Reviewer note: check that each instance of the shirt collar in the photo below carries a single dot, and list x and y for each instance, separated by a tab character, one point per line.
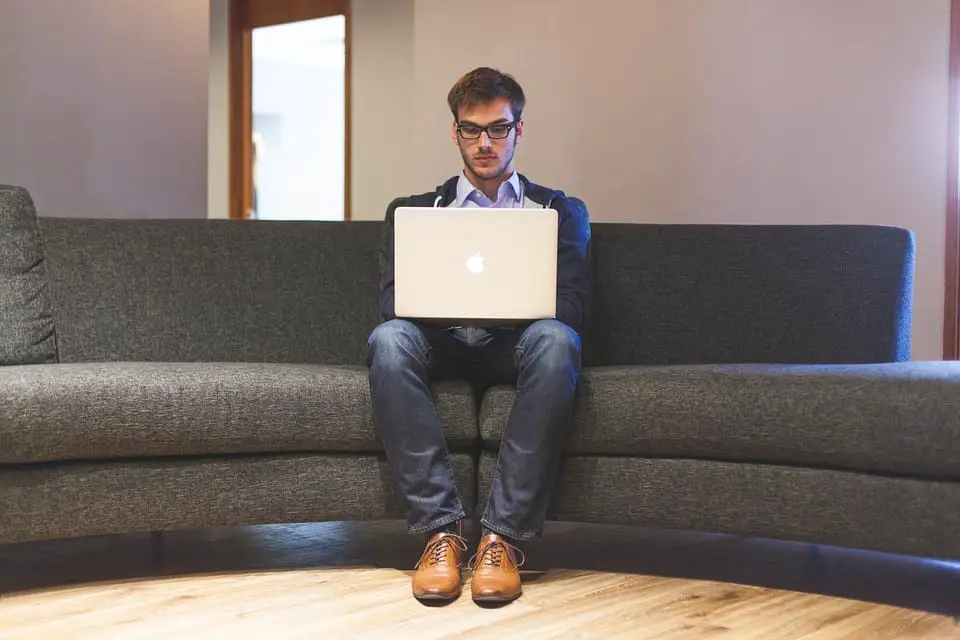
466	190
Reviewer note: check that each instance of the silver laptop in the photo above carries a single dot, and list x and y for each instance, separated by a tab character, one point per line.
464	264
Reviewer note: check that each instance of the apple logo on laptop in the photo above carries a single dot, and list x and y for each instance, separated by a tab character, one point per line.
475	263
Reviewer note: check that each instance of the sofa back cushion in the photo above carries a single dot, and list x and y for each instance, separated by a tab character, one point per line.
212	290
710	294
260	291
27	333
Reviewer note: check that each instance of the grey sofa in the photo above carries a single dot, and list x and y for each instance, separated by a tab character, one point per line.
754	380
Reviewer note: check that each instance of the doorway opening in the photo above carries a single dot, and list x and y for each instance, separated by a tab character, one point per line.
298	120
290	96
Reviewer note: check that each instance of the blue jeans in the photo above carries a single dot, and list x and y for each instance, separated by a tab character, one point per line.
542	360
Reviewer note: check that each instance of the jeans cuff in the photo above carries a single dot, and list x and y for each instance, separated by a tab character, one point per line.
436	524
507	532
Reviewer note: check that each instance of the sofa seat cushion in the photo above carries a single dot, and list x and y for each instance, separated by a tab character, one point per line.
901	418
124	410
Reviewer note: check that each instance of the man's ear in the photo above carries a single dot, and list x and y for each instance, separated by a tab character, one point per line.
519	129
453	129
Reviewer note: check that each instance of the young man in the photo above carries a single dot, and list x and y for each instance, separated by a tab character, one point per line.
541	358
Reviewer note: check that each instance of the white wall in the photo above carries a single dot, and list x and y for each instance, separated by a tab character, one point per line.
782	111
120	108
739	111
218	111
104	105
382	133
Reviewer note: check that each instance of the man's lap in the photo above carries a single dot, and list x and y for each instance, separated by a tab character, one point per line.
486	356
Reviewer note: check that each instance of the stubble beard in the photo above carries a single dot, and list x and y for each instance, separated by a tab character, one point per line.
489	173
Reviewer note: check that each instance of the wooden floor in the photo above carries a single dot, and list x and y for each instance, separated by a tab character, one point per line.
346	580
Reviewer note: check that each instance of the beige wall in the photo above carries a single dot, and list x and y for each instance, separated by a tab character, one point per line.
218	111
382	139
735	111
119	108
741	111
104	105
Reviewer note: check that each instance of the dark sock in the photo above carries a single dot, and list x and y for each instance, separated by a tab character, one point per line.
450	527
486	531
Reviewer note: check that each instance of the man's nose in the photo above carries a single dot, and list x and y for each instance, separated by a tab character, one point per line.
485	140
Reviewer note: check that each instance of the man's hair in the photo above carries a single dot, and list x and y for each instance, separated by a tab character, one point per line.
483	85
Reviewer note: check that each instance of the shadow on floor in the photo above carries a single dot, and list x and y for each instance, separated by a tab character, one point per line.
913	583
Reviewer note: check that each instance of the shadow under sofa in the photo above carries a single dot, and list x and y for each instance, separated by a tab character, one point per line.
752	380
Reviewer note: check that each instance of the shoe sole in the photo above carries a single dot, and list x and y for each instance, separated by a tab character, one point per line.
435	597
495	599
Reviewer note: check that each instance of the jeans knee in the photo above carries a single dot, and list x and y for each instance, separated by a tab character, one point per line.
552	344
394	344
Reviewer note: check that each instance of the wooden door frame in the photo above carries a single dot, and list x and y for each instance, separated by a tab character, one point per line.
244	17
951	315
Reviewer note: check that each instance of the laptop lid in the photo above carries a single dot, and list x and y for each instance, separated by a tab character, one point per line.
468	264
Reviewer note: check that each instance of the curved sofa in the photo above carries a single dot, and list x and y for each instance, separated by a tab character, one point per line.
753	380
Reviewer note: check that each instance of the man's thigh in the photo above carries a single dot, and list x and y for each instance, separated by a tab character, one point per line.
446	356
499	360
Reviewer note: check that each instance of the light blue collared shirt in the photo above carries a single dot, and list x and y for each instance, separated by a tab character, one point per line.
509	195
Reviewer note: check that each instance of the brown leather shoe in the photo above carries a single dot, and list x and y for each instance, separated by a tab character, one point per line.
438	570
496	575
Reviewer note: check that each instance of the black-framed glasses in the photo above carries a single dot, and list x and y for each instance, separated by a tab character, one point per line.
498	131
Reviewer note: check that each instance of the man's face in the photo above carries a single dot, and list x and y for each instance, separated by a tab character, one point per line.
488	157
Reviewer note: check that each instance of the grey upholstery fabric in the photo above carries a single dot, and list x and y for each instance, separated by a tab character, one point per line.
219	290
26	323
128	410
80	499
896	515
901	418
213	290
713	294
213	377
